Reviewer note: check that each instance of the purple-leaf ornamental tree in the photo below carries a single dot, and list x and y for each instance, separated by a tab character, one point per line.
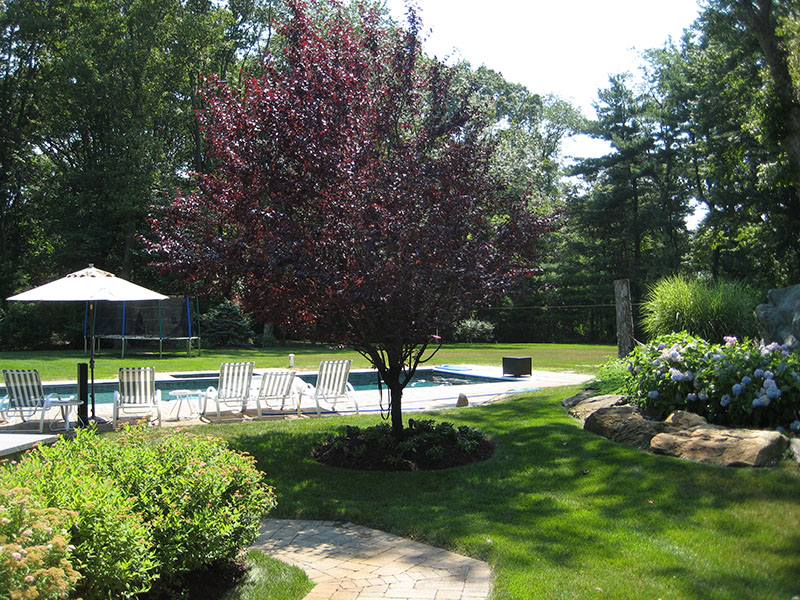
351	199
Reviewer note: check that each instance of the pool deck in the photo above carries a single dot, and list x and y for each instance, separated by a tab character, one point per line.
370	401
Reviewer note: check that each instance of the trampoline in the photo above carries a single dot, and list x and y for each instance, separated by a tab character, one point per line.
171	320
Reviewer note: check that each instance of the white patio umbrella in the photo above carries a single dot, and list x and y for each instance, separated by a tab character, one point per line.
89	285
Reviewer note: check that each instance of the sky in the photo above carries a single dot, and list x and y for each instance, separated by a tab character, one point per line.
563	47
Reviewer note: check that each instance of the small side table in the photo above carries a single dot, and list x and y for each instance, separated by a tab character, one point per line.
187	396
516	366
65	404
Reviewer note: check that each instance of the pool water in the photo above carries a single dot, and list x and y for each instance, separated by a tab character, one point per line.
360	380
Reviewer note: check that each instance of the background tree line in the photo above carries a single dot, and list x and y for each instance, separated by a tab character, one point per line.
98	101
714	127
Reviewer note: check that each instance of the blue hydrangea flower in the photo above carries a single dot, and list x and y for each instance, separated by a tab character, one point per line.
725	400
746	380
661	346
737	389
691	397
676	375
795	426
772	347
674	356
703	396
756	402
773	392
652	395
758	373
769	375
718	356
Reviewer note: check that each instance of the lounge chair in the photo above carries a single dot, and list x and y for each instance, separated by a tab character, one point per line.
234	387
137	392
332	384
26	398
275	386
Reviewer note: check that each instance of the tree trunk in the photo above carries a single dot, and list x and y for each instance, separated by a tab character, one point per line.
396	395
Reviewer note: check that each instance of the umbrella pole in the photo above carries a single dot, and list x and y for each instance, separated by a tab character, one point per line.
95	418
91	356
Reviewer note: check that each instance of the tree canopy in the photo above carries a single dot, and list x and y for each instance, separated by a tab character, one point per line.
353	196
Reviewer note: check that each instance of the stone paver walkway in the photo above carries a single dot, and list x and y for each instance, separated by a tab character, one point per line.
350	562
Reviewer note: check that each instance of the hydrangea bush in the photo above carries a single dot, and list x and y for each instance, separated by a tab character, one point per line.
739	383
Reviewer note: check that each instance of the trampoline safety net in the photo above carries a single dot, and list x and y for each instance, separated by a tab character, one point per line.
170	319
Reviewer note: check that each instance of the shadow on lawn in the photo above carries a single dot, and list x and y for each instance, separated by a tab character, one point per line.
551	493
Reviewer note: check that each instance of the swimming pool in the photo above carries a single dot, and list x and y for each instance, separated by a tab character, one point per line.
360	380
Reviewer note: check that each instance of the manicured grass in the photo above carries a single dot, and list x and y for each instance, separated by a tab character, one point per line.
61	364
557	512
270	579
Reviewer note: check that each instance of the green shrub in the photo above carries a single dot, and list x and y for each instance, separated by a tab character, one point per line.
149	509
736	383
113	547
473	330
25	325
226	326
201	501
424	445
34	548
710	310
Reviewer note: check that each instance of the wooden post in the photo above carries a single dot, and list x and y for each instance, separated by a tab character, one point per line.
622	296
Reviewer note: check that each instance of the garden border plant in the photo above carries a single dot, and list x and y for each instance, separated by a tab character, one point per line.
147	510
424	445
738	383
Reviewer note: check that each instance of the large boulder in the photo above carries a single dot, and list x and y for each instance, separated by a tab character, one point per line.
722	446
571	401
779	320
794	446
623	424
682	419
587	406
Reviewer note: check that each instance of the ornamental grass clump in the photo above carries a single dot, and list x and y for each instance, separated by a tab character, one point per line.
709	309
736	383
148	509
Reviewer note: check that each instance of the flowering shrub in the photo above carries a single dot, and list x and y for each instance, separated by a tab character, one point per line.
147	510
34	548
113	548
735	383
202	502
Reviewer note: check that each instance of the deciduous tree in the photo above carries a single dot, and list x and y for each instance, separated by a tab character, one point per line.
353	197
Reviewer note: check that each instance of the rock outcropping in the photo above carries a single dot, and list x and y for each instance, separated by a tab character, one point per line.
682	434
779	320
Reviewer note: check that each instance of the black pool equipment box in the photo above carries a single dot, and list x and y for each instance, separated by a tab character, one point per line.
516	366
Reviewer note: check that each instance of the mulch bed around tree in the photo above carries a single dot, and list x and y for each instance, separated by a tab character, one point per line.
423	446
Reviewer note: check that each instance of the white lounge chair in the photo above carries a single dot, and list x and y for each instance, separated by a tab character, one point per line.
234	387
275	386
26	397
332	384
137	393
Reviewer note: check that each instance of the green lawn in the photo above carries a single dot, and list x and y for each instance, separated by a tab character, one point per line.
61	364
558	512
